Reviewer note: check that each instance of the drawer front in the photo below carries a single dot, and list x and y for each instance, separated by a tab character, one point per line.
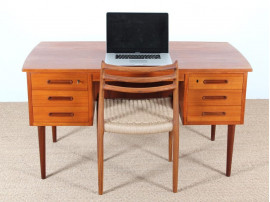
59	98
60	114
214	113
216	81
214	97
59	81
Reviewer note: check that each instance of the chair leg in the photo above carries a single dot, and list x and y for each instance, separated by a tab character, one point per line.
100	161
175	157
213	132
170	145
54	133
97	112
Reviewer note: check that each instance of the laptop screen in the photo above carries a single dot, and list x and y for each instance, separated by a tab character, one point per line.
137	32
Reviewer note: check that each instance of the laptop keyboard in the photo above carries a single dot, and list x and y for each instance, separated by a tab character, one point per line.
119	56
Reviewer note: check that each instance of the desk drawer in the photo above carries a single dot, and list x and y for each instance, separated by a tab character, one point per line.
60	114
214	113
59	81
216	81
214	97
59	98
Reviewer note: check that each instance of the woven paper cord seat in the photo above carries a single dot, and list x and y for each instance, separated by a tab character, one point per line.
138	116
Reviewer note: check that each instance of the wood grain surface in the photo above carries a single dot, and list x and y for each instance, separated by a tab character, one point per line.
87	56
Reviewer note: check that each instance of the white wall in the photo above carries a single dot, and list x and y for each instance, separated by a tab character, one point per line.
23	24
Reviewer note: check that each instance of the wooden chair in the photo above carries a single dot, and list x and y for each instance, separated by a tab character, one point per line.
129	115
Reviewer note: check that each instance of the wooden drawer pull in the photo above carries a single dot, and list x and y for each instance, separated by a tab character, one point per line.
215	81
213	113
61	114
59	81
60	98
214	97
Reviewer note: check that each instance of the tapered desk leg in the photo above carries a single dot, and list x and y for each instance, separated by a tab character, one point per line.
231	132
54	134
41	138
170	145
213	132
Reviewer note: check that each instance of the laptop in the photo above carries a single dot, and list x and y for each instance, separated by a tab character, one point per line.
137	39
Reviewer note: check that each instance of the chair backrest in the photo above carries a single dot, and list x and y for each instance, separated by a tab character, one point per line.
110	75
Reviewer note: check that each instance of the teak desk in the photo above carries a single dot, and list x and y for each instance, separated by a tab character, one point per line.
63	78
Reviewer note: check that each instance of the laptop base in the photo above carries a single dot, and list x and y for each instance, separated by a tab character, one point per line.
165	59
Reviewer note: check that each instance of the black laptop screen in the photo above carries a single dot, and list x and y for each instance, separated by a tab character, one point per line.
137	32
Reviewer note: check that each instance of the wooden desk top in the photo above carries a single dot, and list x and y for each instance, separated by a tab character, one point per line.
87	56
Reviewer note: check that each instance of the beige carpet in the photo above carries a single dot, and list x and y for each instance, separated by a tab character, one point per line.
136	167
